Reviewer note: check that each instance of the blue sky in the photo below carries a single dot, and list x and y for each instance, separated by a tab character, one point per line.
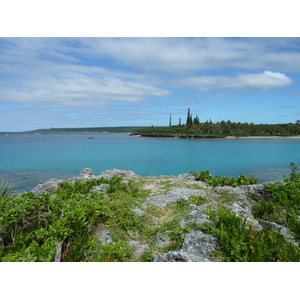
94	82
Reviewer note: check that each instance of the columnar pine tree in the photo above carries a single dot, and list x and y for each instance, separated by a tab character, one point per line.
196	120
189	119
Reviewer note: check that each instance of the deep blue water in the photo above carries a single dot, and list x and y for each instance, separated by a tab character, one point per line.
29	159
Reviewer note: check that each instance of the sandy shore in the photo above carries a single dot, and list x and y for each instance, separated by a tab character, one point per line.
270	137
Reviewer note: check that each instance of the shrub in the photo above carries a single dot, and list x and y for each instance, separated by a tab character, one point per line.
5	190
240	243
222	181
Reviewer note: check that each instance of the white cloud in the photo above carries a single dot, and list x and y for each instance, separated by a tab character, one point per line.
263	81
80	90
98	74
188	55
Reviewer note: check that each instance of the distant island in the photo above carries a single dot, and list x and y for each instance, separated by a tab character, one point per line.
193	128
91	129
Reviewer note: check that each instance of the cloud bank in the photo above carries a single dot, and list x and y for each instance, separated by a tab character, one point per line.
263	81
67	75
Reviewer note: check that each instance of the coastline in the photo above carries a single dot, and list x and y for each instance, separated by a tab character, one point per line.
190	136
270	137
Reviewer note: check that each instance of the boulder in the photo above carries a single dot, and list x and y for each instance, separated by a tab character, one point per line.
108	174
179	256
139	247
162	240
138	211
49	186
254	191
100	188
195	217
281	229
243	209
86	174
200	244
174	196
105	238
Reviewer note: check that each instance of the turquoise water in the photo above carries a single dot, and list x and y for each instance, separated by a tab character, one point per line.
29	159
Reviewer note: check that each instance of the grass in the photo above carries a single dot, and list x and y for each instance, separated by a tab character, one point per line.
5	190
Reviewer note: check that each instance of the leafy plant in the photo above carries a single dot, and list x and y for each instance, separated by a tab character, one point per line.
5	190
282	204
294	175
31	228
222	181
240	243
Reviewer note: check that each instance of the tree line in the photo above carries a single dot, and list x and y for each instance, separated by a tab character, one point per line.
223	128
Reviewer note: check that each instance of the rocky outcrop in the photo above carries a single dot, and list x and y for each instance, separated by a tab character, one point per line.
139	248
179	256
174	196
49	186
108	174
197	246
105	238
86	174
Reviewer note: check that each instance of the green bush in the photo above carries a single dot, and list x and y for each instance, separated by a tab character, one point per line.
31	227
283	202
240	243
222	181
5	190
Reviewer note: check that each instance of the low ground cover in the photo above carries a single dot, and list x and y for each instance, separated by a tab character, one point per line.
65	225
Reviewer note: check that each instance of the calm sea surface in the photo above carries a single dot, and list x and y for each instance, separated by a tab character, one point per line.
29	159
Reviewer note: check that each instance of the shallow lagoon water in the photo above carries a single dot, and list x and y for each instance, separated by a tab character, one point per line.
29	159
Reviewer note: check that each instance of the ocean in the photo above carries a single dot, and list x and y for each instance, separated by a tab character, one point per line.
28	159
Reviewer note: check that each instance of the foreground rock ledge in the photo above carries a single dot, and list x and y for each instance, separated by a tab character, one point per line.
197	245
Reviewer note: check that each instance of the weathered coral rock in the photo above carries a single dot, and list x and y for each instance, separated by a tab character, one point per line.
162	240
49	186
105	238
139	247
179	256
108	174
86	174
243	209
195	217
100	188
200	244
174	196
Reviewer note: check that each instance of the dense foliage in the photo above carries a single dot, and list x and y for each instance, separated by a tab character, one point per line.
221	181
283	205
193	126
32	227
240	243
225	128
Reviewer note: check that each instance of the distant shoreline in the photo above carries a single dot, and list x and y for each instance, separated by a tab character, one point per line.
182	136
271	137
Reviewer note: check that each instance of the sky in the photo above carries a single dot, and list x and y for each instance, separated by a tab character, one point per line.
59	82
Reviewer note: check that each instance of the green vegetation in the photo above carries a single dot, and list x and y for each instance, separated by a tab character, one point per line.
5	190
283	204
221	181
91	129
65	226
32	228
194	127
240	243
